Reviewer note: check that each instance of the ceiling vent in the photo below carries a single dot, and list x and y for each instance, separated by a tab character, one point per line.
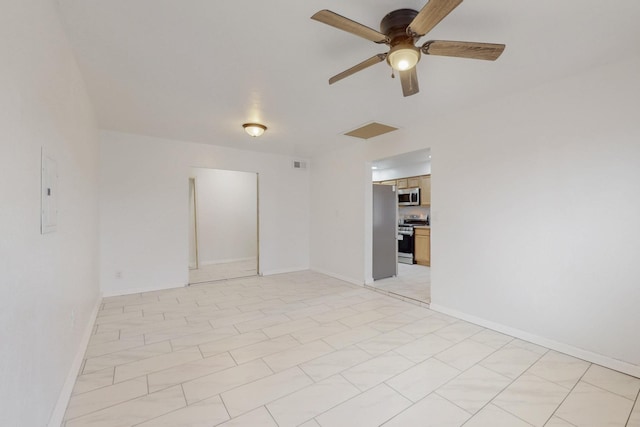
371	130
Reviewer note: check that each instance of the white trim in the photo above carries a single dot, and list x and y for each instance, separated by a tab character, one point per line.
57	416
141	290
599	359
357	282
400	297
225	261
283	271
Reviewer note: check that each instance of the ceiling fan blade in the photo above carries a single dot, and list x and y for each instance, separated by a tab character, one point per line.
361	66
431	14
409	80
486	51
340	22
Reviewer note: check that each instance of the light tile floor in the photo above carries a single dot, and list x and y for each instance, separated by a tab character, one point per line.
413	282
304	349
227	270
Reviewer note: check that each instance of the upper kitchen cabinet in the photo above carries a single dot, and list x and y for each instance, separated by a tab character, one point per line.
413	182
425	190
402	183
391	182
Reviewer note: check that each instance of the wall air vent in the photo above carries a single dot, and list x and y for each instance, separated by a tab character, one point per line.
371	130
299	164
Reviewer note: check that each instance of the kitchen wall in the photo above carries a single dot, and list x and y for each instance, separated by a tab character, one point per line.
227	215
144	212
49	282
535	209
406	211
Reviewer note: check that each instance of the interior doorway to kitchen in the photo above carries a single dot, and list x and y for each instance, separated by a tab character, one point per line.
223	225
410	173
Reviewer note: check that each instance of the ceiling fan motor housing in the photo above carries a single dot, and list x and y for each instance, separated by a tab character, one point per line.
403	54
395	24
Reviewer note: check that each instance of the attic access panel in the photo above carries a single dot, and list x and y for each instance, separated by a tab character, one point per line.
371	130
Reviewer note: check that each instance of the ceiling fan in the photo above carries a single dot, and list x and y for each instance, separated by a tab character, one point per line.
400	30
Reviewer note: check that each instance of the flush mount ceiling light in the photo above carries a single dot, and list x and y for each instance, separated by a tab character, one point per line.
254	129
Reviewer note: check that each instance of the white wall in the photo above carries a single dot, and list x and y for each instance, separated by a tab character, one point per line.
227	215
536	219
340	188
535	213
144	209
49	283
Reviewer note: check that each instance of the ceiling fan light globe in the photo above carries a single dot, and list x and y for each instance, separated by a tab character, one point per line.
402	58
403	64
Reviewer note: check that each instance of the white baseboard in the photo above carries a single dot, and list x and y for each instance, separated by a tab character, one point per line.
107	294
225	261
351	280
283	271
598	359
57	416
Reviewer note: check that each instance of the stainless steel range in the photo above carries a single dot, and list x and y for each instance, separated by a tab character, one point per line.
405	244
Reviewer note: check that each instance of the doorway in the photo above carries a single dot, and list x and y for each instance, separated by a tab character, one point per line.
410	173
223	225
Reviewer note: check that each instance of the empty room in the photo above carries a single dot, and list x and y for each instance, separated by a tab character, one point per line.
322	213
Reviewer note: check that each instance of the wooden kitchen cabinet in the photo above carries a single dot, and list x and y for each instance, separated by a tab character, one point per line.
391	182
413	182
422	244
425	190
402	183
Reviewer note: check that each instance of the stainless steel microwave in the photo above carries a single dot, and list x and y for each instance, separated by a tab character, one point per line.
409	197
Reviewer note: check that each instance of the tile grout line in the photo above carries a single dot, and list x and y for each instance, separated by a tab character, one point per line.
633	407
571	424
475	364
360	393
108	407
471	415
234	387
500	408
505	387
166	413
633	400
268	412
224	405
461	372
570	391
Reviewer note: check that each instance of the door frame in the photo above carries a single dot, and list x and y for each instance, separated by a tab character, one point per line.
193	180
193	187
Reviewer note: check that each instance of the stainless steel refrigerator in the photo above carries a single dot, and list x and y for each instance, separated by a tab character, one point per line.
385	243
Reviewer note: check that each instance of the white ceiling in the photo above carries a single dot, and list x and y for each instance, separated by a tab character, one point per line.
195	70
